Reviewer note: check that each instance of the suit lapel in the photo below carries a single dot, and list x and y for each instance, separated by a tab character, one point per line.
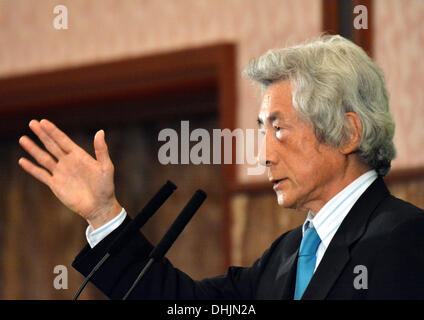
279	278
287	274
329	269
351	229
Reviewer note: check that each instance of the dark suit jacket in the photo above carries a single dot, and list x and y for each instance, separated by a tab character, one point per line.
381	234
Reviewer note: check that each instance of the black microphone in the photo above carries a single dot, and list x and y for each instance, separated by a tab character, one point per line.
142	217
171	235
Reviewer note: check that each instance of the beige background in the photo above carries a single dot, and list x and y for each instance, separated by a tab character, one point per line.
398	48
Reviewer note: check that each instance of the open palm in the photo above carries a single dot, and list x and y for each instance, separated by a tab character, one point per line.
83	184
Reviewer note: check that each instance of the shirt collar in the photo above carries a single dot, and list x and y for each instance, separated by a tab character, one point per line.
329	218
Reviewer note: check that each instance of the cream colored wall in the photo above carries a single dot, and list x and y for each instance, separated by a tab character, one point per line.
398	49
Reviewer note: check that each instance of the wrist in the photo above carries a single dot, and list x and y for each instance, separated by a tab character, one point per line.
106	215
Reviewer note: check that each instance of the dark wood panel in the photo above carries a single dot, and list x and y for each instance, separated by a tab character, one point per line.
197	72
404	175
364	37
258	221
332	20
115	110
185	68
330	16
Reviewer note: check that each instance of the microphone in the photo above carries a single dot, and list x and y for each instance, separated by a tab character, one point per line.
142	217
171	235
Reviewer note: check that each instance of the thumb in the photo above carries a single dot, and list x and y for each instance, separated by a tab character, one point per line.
100	147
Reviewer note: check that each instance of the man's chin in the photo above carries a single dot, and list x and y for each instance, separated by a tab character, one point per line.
281	198
284	201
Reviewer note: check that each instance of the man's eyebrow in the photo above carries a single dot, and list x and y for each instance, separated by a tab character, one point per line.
271	118
260	122
274	116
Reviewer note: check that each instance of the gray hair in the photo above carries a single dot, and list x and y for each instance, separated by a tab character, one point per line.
330	77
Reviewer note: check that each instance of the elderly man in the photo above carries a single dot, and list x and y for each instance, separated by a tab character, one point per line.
327	145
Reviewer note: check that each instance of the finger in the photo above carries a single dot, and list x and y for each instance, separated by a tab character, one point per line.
61	139
100	148
42	157
37	172
48	142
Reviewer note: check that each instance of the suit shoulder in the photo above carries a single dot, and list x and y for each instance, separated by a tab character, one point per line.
397	205
395	211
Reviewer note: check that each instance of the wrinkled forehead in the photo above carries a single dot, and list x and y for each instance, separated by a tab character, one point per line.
277	103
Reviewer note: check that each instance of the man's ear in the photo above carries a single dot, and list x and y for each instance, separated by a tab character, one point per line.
353	138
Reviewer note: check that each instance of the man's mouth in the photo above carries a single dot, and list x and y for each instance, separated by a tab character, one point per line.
277	183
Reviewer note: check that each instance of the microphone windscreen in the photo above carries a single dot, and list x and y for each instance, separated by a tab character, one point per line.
145	214
178	225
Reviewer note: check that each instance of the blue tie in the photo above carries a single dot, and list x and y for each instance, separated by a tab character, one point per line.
306	261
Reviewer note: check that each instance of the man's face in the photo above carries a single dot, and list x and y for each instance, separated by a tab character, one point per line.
304	172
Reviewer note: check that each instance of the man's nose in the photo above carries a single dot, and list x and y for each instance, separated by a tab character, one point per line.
264	157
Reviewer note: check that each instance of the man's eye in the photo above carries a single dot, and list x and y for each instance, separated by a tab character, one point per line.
278	132
277	129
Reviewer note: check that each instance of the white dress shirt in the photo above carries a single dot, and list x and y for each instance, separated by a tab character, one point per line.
326	221
331	215
95	236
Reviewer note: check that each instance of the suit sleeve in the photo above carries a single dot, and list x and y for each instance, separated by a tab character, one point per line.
162	281
399	271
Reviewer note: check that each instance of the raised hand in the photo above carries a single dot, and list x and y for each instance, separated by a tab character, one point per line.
83	184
